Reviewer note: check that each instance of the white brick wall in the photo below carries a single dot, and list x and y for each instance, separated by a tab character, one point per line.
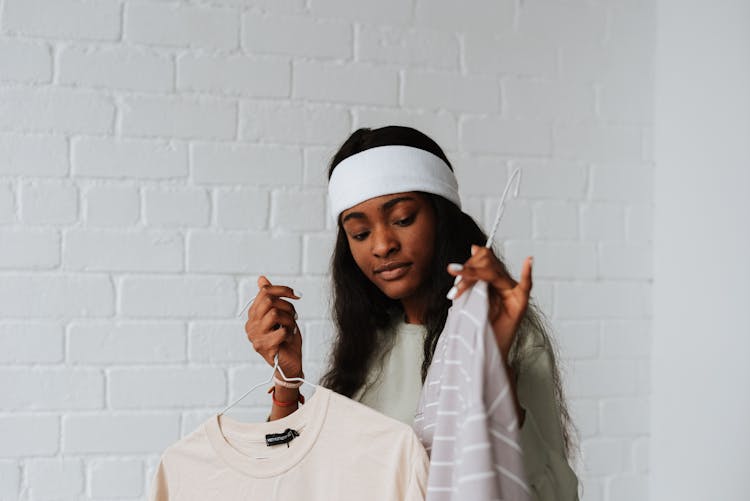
155	158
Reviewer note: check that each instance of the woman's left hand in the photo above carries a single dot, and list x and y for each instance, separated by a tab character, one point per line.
508	299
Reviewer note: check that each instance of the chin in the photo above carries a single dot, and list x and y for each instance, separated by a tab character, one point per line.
398	289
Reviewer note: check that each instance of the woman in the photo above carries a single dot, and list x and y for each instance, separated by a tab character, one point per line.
392	288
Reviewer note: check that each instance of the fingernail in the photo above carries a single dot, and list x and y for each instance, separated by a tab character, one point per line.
473	249
452	293
458	279
531	261
298	294
295	315
455	267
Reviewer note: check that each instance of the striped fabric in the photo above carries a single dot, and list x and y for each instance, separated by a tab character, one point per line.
465	418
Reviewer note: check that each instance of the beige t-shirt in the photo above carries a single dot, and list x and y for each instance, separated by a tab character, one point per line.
344	450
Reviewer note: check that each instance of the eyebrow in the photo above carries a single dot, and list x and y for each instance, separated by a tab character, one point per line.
386	206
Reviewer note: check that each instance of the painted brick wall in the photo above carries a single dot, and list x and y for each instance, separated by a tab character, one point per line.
156	157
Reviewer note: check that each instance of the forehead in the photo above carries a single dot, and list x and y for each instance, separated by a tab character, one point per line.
381	204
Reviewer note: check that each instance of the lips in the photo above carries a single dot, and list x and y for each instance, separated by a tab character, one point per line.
391	266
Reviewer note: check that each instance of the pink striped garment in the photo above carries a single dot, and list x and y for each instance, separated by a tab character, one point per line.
465	418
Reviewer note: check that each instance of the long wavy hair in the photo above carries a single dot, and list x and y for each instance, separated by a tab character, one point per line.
361	312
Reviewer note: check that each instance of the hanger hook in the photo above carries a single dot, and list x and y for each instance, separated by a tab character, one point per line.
501	208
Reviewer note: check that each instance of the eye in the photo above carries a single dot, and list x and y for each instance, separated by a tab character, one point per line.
405	221
360	236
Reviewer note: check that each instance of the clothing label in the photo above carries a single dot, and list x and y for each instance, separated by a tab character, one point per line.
281	438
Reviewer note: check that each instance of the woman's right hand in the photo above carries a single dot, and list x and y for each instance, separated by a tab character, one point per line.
271	327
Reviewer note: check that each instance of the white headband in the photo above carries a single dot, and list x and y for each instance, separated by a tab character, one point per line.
389	169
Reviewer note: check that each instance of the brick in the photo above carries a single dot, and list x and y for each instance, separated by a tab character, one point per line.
243	164
22	61
509	53
547	99
556	220
625	416
118	158
185	118
177	297
568	24
29	435
499	135
602	221
167	387
318	338
116	478
639	223
606	299
628	487
81	20
553	260
601	378
176	207
56	110
287	208
48	202
245	209
317	253
180	25
252	77
628	261
626	338
451	91
102	250
577	340
31	343
119	433
112	205
7	203
209	251
10	479
516	222
411	47
56	296
29	249
385	12
603	456
496	15
352	83
116	68
51	389
52	478
585	416
627	101
551	179
297	36
220	342
126	342
293	123
597	143
624	183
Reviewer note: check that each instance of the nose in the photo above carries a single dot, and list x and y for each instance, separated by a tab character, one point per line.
384	242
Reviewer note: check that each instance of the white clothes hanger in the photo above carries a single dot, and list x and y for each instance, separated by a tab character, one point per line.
501	209
270	379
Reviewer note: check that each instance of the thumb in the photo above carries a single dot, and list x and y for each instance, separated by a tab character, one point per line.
263	281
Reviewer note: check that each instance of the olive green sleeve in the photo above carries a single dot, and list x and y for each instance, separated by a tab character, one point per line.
547	470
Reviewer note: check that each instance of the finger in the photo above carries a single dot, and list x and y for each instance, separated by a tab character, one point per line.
269	302
526	283
276	319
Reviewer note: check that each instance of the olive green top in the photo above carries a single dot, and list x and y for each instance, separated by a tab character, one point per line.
394	387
